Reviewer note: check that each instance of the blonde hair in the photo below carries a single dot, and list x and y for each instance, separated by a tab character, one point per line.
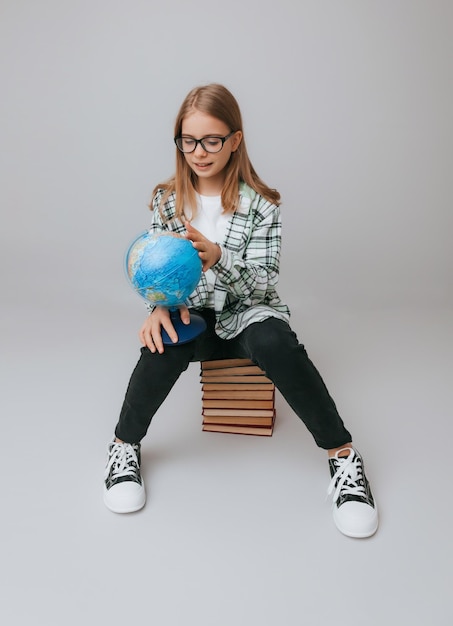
214	100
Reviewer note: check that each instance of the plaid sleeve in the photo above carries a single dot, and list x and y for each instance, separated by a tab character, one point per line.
163	218
248	268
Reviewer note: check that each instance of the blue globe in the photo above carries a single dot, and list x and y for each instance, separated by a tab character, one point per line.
164	269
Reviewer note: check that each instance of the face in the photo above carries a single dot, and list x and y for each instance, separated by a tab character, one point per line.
209	167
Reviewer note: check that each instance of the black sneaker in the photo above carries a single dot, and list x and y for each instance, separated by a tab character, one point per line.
124	491
354	510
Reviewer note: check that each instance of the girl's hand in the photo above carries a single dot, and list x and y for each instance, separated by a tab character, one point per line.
150	333
208	251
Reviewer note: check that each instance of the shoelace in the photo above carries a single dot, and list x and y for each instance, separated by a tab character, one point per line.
348	474
121	459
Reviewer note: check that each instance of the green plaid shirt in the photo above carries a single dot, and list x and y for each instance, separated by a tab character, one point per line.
247	271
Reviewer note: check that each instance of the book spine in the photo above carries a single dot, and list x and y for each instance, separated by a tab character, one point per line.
231	371
238	412
236	379
257	387
238	430
222	363
238	404
238	421
237	395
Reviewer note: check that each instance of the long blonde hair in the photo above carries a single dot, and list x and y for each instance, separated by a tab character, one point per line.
214	100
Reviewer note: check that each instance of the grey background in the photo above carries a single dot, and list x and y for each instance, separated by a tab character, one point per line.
347	111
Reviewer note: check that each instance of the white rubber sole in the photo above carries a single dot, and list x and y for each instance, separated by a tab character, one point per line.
124	502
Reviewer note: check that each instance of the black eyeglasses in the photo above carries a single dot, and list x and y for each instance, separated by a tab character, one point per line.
209	143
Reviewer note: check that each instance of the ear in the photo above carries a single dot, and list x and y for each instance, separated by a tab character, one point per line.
236	140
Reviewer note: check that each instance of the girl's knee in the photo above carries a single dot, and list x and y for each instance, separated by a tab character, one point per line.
272	337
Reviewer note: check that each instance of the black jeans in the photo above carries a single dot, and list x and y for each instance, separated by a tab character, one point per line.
271	344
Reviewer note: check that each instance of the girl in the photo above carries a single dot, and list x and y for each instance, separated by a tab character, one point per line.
217	200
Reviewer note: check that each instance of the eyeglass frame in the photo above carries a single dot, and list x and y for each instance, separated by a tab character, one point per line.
200	141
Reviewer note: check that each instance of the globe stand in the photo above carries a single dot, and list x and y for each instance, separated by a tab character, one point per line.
185	332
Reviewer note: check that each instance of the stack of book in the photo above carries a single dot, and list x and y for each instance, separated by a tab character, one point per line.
237	397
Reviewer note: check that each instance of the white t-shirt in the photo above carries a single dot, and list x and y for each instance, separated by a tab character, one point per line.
210	221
